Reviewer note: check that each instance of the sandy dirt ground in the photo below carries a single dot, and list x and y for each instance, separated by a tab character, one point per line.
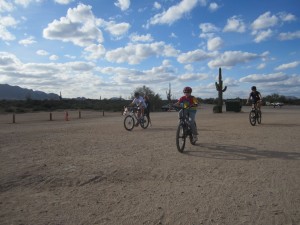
92	171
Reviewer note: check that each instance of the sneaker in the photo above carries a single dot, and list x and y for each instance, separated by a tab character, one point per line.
137	124
195	137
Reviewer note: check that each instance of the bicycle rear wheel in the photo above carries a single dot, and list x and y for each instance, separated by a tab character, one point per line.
259	117
192	141
180	138
129	123
144	122
252	117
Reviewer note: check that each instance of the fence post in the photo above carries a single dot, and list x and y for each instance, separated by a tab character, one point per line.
66	116
50	116
103	112
79	114
14	118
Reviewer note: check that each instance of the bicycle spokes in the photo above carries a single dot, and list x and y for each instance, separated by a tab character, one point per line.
180	138
252	117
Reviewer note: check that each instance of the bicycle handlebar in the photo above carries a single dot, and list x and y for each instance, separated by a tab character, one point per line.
180	107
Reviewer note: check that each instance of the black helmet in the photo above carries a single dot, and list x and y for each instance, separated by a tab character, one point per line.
253	88
136	94
187	90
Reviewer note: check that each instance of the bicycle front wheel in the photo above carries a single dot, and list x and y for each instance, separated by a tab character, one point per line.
144	122
180	138
252	118
259	117
129	123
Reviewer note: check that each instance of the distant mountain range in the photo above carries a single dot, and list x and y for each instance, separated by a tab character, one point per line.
8	92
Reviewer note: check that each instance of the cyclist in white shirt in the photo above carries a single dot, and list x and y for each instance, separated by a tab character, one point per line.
140	103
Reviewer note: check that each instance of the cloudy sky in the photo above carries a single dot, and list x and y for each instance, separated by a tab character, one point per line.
107	48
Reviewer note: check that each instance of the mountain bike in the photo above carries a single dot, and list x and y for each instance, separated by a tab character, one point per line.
131	118
184	129
255	115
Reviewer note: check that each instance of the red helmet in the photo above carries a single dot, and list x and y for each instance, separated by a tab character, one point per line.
187	90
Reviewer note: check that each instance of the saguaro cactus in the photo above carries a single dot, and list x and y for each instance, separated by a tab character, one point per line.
169	93
220	89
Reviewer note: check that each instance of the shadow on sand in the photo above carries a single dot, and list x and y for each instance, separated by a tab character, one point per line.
237	152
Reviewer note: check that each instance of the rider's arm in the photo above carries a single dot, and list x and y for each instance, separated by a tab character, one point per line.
195	102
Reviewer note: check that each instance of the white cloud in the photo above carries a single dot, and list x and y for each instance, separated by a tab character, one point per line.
28	41
231	58
235	24
73	79
288	65
214	43
53	57
155	75
292	81
123	4
189	67
64	2
94	52
79	27
289	35
192	77
6	6
5	23
213	6
174	13
194	56
8	60
261	26
264	21
261	78
70	56
25	3
116	29
208	28
230	82
262	35
287	17
135	53
42	52
173	35
261	66
141	38
156	5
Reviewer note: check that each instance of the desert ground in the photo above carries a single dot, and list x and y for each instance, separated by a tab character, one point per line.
90	170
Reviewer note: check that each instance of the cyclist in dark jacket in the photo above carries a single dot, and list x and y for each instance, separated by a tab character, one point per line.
255	96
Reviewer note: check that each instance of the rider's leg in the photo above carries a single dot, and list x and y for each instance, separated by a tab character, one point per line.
142	111
192	122
259	105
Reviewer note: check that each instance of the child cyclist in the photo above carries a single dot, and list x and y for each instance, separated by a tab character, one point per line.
255	96
190	102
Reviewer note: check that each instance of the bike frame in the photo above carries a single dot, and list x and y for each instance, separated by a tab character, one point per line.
131	112
255	114
184	129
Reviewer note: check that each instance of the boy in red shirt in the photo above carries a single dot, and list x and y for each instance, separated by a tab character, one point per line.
190	102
